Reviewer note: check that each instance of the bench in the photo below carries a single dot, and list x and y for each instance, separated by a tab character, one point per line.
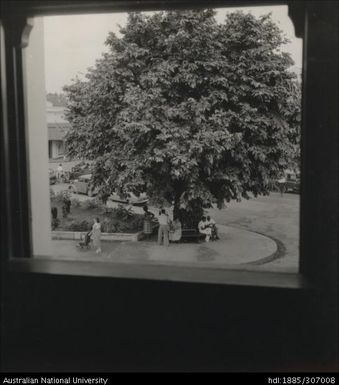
191	235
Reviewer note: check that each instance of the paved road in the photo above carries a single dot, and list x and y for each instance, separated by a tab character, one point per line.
275	216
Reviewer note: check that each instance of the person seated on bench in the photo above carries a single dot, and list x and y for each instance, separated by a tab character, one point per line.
175	230
205	229
213	226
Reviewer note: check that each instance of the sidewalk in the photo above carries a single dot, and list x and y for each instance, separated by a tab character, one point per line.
236	247
241	246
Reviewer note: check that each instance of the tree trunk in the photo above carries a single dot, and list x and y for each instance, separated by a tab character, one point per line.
176	208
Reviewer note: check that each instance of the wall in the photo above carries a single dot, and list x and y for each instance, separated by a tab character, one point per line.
37	133
105	324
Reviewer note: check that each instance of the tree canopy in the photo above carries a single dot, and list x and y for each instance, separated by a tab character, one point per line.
188	110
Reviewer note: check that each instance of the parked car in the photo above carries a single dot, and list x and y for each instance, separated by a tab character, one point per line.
130	199
292	182
78	170
52	176
84	186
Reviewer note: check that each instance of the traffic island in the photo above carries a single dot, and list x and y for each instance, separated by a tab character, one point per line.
236	247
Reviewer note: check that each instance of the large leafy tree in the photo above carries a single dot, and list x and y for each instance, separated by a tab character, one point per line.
188	110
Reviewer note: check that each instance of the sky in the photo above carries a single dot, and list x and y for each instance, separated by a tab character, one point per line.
74	42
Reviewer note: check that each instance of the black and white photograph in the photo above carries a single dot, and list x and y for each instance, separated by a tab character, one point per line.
171	187
173	137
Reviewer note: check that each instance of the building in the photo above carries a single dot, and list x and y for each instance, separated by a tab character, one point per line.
58	127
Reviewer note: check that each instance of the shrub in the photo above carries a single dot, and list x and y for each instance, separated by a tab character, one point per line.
109	225
59	197
125	227
122	213
75	225
55	223
108	211
92	204
75	202
114	225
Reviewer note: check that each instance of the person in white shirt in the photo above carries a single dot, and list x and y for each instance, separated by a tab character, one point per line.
163	232
96	235
60	172
282	184
204	228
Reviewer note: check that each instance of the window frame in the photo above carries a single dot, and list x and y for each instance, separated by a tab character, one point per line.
17	247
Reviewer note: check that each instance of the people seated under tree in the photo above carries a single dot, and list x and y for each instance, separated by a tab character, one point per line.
175	230
204	228
214	229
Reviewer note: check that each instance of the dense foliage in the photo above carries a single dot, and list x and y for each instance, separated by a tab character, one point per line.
188	110
113	220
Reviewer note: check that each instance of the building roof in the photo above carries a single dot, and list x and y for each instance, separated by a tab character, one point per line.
58	131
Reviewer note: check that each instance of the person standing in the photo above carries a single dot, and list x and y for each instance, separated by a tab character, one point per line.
96	235
163	232
66	208
60	172
148	218
282	184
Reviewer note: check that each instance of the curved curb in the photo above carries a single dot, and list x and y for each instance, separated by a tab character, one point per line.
109	237
278	254
239	254
261	256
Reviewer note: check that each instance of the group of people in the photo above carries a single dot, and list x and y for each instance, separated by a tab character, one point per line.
168	230
208	227
171	230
